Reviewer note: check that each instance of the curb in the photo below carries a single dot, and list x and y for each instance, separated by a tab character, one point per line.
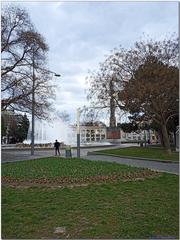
130	157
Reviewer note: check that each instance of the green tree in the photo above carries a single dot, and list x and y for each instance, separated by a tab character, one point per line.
172	125
14	126
129	127
22	128
3	126
12	129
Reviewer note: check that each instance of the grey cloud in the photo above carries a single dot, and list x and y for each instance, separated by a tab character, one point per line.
79	34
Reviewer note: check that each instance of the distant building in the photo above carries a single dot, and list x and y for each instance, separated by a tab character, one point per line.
91	132
140	136
98	132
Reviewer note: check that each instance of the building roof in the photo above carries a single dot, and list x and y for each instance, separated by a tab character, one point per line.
96	124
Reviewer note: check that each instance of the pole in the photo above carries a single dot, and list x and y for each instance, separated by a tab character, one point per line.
78	132
149	135
33	107
145	138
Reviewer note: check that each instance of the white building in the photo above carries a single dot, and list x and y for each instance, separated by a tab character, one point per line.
90	133
97	132
139	136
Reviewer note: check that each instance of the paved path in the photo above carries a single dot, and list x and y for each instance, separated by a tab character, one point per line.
20	155
159	166
13	155
8	155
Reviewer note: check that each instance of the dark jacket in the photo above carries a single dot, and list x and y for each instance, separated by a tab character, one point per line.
56	144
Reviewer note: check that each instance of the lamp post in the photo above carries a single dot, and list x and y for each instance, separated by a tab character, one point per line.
144	137
78	132
78	128
33	106
33	102
57	75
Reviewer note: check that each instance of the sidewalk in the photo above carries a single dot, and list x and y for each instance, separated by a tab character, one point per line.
131	157
20	155
153	165
12	154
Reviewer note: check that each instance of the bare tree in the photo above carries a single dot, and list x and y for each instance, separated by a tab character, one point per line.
23	51
119	71
151	88
64	116
104	85
89	115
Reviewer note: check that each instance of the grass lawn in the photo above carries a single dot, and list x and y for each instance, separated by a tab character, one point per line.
54	167
146	152
125	208
173	147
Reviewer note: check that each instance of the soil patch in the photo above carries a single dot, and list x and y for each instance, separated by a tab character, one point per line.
78	182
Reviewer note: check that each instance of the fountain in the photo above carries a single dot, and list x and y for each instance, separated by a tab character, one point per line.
47	132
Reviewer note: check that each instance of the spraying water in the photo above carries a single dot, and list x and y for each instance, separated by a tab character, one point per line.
48	132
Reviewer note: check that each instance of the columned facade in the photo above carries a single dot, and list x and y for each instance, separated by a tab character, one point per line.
92	134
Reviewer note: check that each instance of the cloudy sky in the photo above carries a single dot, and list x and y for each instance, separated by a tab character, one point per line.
80	34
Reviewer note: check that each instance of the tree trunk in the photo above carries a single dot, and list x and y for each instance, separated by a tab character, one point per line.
112	122
174	135
165	138
161	137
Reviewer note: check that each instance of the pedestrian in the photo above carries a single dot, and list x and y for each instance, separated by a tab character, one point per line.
56	146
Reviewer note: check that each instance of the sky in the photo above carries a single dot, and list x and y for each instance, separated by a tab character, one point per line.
81	34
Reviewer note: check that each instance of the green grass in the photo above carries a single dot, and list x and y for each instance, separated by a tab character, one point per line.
61	167
173	147
121	210
152	153
134	209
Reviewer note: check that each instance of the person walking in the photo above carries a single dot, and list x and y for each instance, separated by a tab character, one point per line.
56	146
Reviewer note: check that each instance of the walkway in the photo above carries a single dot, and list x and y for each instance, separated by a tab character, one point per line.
159	166
12	154
20	155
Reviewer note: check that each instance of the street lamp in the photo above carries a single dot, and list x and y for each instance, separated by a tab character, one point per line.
57	75
33	103
33	106
78	132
